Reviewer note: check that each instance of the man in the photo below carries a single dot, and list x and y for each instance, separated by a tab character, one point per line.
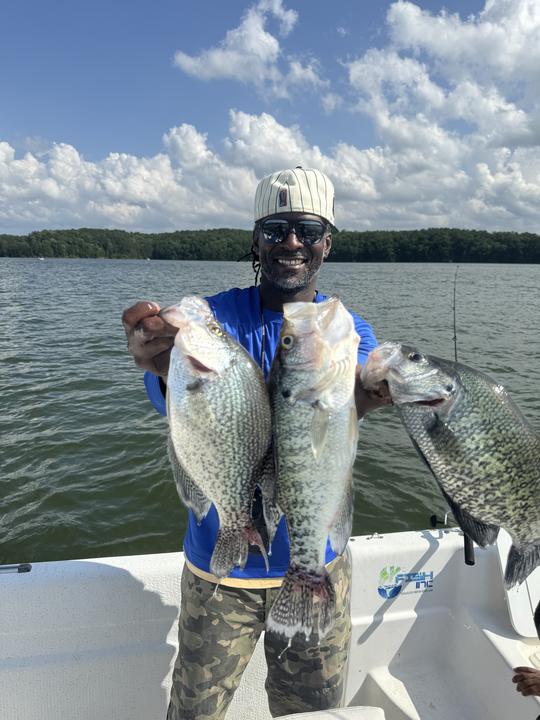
294	216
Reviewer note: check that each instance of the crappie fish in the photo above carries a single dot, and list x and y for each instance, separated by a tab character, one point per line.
220	429
483	453
315	431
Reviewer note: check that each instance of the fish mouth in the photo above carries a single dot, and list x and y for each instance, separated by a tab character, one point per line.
197	365
430	403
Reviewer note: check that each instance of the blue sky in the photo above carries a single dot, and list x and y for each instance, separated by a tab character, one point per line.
155	116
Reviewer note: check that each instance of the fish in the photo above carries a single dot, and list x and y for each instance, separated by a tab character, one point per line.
481	450
315	434
219	438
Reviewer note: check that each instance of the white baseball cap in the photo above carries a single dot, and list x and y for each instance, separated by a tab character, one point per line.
298	190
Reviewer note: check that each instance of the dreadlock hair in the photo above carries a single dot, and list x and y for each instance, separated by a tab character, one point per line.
255	261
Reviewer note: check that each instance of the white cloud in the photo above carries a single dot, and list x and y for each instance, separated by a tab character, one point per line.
432	179
304	77
501	42
330	102
498	121
252	55
455	105
452	101
482	70
404	82
261	142
248	53
287	18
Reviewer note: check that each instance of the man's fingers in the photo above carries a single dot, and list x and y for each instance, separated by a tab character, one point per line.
134	314
527	680
143	351
161	345
155	326
528	688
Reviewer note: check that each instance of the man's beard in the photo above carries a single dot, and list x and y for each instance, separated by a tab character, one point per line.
292	284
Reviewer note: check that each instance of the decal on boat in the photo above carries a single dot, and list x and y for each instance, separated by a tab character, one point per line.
392	581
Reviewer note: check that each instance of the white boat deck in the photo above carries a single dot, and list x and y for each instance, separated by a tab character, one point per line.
89	639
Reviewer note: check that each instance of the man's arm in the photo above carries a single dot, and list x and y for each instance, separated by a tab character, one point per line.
367	400
149	338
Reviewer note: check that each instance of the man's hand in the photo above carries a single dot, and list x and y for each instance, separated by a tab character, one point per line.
149	338
527	680
367	400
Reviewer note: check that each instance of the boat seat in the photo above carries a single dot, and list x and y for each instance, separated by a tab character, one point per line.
358	712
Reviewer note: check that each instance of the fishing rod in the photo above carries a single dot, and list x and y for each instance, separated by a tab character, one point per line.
454	312
468	546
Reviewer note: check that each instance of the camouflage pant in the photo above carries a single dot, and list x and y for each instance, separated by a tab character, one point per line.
217	636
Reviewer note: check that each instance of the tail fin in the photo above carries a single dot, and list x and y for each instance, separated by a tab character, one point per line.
305	604
522	560
231	550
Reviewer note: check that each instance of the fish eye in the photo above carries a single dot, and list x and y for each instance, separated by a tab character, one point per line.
415	357
287	341
216	330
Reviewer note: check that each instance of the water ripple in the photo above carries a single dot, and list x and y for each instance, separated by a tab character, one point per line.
84	468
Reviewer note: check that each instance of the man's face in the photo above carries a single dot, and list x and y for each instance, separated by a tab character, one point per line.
290	265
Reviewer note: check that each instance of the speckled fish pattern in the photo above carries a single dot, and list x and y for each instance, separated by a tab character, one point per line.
315	433
483	453
220	431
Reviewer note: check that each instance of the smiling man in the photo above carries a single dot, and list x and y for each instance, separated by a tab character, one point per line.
292	236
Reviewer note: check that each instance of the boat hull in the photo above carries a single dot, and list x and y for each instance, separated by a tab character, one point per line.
432	637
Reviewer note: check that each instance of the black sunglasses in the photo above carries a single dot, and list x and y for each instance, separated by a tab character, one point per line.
309	232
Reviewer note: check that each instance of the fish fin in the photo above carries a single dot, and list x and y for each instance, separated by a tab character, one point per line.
189	492
319	431
306	603
522	560
267	483
231	549
341	528
482	533
353	430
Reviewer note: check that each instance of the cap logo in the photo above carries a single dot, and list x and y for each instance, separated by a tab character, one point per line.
283	197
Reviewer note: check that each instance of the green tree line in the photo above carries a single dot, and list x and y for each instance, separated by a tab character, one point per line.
427	245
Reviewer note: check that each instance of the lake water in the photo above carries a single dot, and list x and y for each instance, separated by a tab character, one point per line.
83	467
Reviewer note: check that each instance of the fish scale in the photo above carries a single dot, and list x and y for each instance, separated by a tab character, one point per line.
220	430
482	451
493	448
202	414
315	432
305	495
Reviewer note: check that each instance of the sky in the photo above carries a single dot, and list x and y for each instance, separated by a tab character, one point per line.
164	115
